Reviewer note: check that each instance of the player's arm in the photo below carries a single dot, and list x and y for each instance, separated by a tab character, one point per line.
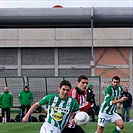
35	106
119	100
86	106
73	120
31	110
108	99
76	110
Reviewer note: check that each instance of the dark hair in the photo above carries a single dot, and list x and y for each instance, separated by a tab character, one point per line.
65	82
82	77
116	78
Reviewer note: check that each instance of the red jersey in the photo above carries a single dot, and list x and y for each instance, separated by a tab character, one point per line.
81	99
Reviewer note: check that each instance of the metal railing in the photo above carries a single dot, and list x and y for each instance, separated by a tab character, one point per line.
41	86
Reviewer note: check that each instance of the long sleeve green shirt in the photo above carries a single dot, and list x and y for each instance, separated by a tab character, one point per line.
6	99
25	98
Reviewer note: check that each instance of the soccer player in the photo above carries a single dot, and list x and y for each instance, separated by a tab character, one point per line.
109	106
78	93
59	108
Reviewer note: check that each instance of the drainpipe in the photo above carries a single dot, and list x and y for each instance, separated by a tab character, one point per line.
92	61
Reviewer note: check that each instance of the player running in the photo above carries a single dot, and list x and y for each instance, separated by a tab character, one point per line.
108	110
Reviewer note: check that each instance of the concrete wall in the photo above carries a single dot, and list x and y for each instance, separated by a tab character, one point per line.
79	37
64	52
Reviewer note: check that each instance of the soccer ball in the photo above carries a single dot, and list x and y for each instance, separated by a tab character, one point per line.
81	118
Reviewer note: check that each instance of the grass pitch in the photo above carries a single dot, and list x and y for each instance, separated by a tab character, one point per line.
34	127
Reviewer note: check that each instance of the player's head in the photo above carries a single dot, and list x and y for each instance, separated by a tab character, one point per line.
82	82
115	81
64	89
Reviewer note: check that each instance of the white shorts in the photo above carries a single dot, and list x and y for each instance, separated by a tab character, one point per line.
104	118
48	128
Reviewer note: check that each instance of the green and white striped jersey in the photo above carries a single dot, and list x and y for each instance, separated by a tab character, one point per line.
110	94
59	110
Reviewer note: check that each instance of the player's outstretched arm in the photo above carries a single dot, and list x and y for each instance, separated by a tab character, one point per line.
119	100
31	110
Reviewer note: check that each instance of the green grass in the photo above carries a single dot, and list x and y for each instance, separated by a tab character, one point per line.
131	112
20	127
91	128
34	127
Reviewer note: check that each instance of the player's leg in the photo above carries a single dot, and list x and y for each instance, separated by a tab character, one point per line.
67	130
48	128
103	119
118	122
78	129
99	129
43	129
119	127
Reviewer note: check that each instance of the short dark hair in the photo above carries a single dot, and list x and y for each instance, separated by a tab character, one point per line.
65	82
82	77
116	78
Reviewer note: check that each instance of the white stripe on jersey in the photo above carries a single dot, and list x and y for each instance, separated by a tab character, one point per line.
53	105
67	107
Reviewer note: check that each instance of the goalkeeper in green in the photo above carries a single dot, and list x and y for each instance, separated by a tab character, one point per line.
108	109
